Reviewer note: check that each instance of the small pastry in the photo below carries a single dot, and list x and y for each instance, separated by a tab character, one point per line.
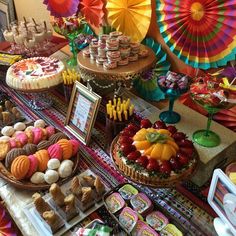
64	170
29	133
1	109
45	135
43	159
20	167
5	138
38	135
50	131
19	126
30	148
57	194
57	136
75	146
51	176
6	117
67	162
15	143
66	148
8	105
4	149
99	186
52	219
37	178
7	131
44	144
17	133
39	123
76	187
89	180
55	151
40	204
86	195
14	111
69	202
53	164
29	128
12	154
22	137
33	166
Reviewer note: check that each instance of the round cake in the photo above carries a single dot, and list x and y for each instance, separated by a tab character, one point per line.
35	73
154	154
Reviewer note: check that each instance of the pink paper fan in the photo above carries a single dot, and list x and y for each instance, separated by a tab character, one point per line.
62	8
93	11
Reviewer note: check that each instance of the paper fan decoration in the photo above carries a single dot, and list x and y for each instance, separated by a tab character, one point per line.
146	85
227	118
62	8
202	33
93	11
131	17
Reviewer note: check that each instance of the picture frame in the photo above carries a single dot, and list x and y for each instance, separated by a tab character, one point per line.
7	10
222	198
82	112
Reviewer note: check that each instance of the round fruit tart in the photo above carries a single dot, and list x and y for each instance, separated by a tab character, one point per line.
154	154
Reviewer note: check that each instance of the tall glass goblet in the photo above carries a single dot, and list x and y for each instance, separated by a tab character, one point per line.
212	99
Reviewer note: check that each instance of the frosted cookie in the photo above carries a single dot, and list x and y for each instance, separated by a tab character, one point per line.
39	123
19	126
8	131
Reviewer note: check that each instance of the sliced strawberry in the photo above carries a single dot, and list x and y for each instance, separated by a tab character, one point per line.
187	150
145	123
172	129
127	148
143	161
165	167
175	165
133	156
132	127
182	158
178	136
186	143
125	140
152	165
159	125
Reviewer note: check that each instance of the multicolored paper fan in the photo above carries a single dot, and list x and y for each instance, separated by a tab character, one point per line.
131	17
93	11
146	85
202	33
62	8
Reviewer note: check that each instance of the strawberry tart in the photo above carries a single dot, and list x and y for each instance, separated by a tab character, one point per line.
154	154
35	73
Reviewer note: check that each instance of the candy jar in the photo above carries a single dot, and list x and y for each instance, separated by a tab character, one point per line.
212	96
173	85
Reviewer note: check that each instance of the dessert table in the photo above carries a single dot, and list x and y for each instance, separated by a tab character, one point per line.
190	211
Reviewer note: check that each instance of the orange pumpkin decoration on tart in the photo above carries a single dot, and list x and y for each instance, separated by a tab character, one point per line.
20	167
67	148
43	159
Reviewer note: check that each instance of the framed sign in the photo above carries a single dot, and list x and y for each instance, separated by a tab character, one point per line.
82	112
222	198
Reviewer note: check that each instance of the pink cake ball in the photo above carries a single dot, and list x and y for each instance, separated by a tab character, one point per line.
38	135
55	151
50	131
75	146
33	166
22	137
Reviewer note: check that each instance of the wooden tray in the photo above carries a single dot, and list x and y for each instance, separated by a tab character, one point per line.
27	185
162	183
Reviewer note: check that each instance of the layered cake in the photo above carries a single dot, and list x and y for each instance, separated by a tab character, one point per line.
35	73
154	154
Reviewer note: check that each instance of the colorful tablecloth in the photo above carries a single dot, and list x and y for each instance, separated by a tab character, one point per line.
195	220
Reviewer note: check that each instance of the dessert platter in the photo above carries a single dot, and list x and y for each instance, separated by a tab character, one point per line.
114	57
127	204
34	157
35	76
155	155
65	206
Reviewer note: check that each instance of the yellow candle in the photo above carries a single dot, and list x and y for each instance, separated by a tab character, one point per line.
114	115
108	108
131	110
114	101
119	102
119	116
126	115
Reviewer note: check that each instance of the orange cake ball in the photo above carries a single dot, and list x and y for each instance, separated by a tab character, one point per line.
43	159
20	167
67	148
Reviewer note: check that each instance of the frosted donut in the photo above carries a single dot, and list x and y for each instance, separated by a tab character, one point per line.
39	123
19	126
7	131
